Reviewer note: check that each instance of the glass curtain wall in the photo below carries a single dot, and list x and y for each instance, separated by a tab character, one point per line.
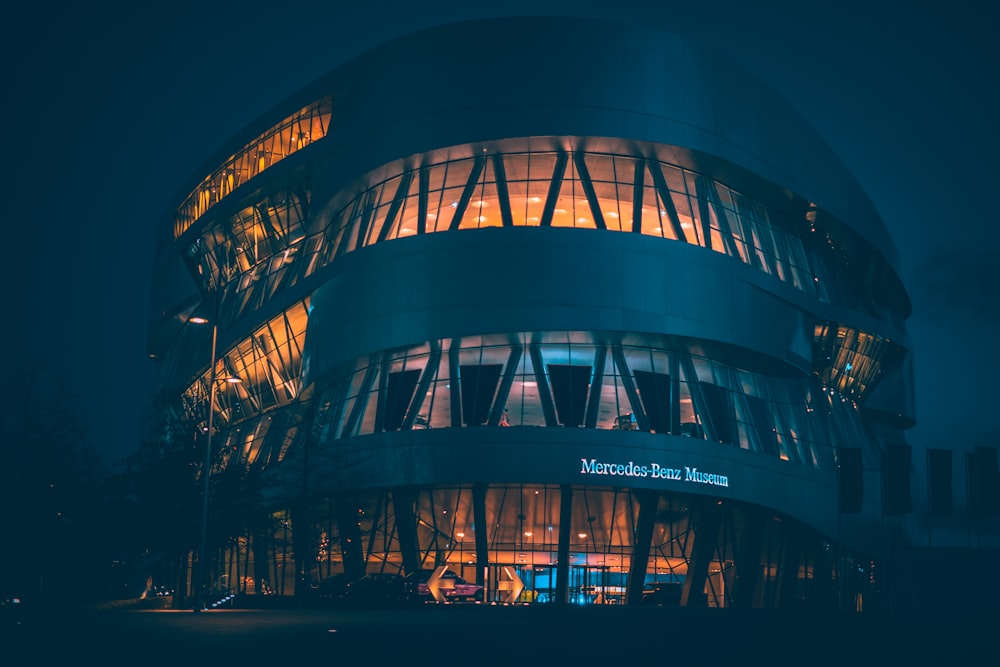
290	135
755	559
265	247
575	379
581	190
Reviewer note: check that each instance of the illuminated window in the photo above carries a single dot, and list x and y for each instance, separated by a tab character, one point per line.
290	135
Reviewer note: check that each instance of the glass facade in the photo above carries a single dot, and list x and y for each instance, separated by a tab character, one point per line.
518	532
292	134
577	379
268	364
850	361
265	249
574	189
574	544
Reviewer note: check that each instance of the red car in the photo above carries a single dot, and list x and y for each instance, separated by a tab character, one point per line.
452	586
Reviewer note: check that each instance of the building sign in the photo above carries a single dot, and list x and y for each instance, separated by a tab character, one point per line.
651	471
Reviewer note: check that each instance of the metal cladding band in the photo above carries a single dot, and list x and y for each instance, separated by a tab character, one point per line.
579	456
533	279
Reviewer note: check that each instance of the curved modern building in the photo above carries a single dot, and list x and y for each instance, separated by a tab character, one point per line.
582	316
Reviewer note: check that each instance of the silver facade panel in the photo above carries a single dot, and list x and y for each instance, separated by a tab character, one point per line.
534	279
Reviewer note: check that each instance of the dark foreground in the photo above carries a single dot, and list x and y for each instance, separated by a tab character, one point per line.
487	635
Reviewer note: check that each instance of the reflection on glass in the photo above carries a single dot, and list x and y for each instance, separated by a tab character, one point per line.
476	382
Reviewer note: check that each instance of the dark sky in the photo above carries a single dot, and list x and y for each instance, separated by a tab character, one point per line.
109	108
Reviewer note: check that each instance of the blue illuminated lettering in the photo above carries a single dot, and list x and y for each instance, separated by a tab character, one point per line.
653	470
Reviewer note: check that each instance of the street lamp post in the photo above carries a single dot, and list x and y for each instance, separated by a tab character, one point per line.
199	600
206	471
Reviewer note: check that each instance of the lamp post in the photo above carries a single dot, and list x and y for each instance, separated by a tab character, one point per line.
206	471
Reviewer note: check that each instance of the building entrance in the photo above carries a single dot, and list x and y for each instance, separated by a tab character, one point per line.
586	584
596	585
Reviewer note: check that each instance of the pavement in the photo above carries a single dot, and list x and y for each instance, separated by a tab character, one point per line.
483	634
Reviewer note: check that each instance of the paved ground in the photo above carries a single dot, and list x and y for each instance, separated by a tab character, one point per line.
488	635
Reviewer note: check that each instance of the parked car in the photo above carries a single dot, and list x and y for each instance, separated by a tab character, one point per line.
375	588
13	611
662	593
453	587
332	589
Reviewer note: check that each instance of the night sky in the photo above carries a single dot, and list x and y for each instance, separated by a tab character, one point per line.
109	109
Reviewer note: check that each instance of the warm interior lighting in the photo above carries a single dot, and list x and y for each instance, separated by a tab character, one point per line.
198	320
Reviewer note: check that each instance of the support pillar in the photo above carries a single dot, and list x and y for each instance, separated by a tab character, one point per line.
648	504
562	560
822	596
349	534
482	543
303	545
746	554
706	515
403	503
261	555
788	569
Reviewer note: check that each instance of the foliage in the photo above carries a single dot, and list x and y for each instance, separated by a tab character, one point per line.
52	487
